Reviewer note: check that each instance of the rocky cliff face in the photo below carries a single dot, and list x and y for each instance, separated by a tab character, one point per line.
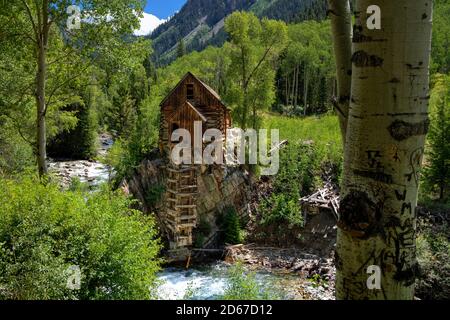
144	183
218	190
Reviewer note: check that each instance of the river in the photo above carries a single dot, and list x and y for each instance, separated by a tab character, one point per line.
92	172
207	282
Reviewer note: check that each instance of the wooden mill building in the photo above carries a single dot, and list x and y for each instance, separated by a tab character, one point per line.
191	100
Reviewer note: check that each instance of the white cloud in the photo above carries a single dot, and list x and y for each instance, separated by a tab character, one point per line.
149	23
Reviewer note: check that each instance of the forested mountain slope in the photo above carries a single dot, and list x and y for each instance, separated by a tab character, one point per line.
200	22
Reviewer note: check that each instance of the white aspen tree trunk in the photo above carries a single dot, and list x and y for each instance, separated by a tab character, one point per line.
296	73
341	26
293	90
41	79
287	89
305	93
388	121
40	114
294	86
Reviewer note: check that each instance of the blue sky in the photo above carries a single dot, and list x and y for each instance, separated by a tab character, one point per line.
163	8
157	12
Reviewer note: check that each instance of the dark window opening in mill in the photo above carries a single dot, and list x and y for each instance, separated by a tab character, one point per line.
190	92
175	127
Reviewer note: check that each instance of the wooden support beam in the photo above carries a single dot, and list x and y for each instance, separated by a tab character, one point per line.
187	194
179	170
189	187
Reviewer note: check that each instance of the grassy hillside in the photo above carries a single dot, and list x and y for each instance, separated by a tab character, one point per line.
322	130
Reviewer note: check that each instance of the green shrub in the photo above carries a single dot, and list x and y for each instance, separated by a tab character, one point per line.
44	231
433	255
314	153
300	169
77	185
279	209
232	227
154	194
202	232
324	136
199	241
130	150
298	176
317	281
191	291
79	142
242	285
16	155
437	166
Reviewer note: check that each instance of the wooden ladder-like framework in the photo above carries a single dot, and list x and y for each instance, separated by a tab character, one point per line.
181	208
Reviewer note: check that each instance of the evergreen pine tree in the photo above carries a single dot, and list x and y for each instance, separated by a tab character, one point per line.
181	48
437	170
232	227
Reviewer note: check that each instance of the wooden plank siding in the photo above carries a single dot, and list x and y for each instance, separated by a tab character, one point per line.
206	101
179	110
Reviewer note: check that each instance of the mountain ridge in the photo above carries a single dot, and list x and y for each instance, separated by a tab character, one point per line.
200	22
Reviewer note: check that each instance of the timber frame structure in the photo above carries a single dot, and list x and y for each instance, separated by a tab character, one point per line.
191	100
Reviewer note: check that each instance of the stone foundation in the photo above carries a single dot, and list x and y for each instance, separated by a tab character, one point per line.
218	189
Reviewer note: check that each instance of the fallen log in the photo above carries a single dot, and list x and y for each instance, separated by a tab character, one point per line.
207	250
326	198
279	146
